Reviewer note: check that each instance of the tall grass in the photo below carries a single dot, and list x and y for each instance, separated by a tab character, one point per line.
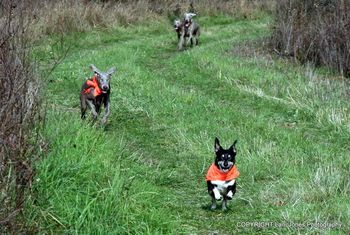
84	187
144	172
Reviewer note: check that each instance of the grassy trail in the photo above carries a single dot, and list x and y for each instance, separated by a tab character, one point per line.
144	172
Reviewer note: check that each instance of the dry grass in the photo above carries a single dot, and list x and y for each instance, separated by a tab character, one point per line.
80	16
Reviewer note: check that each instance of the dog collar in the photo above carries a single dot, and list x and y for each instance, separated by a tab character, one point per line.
189	24
93	84
214	173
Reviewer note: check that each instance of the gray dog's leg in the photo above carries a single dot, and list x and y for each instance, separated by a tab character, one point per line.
104	119
190	40
83	107
93	110
181	42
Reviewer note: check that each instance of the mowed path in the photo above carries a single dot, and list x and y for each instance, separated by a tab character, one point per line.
168	106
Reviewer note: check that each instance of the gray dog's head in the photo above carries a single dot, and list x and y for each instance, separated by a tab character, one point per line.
103	78
188	19
177	24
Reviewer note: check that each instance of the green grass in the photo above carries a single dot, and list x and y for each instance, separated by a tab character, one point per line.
144	172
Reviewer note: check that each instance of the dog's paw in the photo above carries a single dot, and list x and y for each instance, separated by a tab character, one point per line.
213	207
224	207
229	195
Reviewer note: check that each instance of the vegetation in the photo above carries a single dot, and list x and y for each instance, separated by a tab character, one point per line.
315	30
144	172
56	17
20	99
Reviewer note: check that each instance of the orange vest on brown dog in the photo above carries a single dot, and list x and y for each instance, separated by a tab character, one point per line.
214	173
93	84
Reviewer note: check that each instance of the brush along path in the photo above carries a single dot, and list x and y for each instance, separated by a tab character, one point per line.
145	172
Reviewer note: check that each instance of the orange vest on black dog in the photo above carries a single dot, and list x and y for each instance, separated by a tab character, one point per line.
214	173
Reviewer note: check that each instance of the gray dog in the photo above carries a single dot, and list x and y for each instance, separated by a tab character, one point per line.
95	92
189	29
177	28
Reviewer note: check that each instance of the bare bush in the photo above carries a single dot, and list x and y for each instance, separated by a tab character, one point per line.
239	8
19	98
316	30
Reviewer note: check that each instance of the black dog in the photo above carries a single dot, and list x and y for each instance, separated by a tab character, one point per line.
95	92
222	175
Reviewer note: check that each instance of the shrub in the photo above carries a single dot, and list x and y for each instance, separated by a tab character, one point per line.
19	98
315	30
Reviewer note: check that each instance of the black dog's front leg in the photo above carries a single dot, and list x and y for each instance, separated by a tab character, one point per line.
231	190
210	188
211	193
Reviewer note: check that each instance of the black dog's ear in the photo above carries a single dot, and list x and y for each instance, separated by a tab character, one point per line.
234	143
217	145
233	146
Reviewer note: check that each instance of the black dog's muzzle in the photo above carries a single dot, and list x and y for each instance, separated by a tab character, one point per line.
225	166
